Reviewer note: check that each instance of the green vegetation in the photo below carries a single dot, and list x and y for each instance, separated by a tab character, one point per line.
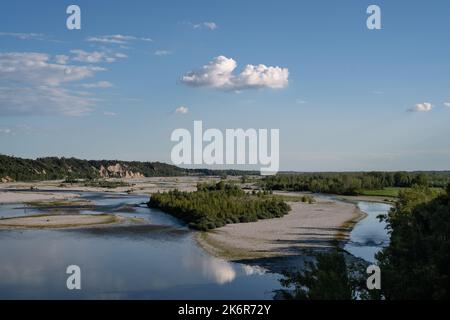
291	198
328	278
105	184
391	192
355	183
415	264
213	206
72	169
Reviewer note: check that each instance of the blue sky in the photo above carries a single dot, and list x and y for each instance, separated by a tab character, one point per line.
354	99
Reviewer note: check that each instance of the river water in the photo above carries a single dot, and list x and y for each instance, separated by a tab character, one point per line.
158	260
369	235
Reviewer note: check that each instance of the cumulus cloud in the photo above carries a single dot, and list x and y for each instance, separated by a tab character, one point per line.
218	74
117	39
421	107
181	110
99	84
206	25
447	104
30	83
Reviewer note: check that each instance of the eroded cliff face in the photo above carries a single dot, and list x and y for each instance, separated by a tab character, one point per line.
118	171
7	179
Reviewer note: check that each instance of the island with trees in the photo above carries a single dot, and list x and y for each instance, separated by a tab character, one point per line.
215	205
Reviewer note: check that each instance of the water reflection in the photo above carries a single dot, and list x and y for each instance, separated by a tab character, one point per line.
219	271
369	235
251	270
157	260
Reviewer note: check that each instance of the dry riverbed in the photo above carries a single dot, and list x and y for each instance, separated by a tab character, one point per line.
30	196
60	221
320	225
133	186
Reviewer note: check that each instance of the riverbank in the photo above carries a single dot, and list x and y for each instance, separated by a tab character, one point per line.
31	196
132	186
318	226
61	221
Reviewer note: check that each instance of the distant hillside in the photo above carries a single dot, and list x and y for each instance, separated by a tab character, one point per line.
53	168
18	169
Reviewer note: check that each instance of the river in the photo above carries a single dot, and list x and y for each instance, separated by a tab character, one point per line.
158	260
369	235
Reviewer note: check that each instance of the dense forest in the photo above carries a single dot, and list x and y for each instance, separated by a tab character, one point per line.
213	206
353	183
52	168
415	264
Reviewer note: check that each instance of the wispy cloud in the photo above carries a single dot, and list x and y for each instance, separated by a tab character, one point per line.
117	39
23	36
99	84
5	131
96	56
31	84
163	53
447	104
218	74
206	25
36	68
421	107
109	114
62	59
181	110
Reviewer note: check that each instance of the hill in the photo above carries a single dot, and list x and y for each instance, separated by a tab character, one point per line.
53	168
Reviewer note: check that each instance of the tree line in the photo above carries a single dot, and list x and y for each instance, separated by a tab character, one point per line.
351	183
53	168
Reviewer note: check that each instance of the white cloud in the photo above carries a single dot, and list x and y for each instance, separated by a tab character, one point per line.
43	100
182	110
206	25
62	59
95	56
23	36
218	74
36	68
301	101
109	114
421	107
99	84
121	55
31	84
447	104
116	39
163	53
5	131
